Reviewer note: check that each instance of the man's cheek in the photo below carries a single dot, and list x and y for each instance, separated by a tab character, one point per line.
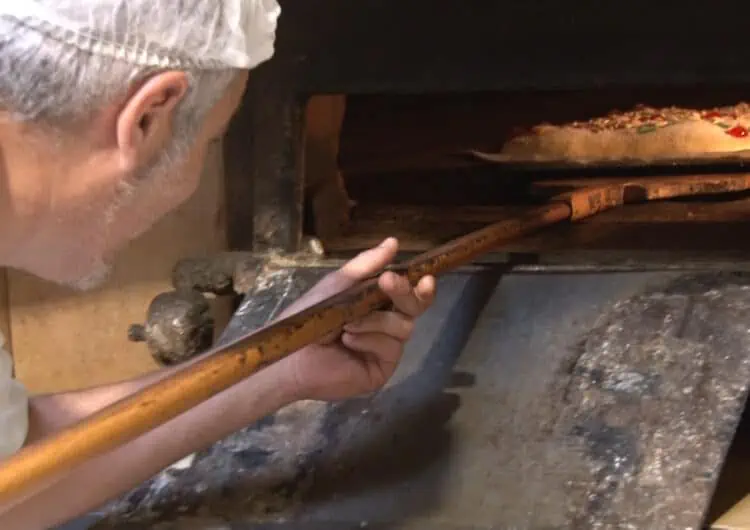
181	183
156	201
186	187
154	198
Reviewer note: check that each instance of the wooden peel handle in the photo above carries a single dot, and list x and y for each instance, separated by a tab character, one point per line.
223	367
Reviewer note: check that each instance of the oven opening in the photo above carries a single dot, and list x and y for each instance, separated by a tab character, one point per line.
428	168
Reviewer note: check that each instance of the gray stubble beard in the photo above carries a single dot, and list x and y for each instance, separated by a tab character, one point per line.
101	270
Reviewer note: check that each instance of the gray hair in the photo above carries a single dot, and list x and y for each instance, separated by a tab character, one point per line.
50	83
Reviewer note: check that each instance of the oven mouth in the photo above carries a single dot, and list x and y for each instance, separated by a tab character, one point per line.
416	167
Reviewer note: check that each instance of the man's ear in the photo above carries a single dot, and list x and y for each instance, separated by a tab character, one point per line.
144	125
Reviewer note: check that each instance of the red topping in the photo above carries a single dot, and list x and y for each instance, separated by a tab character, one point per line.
712	114
738	131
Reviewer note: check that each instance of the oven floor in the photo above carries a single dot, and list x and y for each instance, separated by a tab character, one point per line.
476	431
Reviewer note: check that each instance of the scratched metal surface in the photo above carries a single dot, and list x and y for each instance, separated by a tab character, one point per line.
550	401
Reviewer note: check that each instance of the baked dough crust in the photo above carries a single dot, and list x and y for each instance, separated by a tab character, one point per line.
644	134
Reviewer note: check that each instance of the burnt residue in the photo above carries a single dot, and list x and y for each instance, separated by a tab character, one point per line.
615	451
258	472
214	274
178	326
654	395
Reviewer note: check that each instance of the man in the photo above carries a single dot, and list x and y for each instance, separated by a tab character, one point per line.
106	111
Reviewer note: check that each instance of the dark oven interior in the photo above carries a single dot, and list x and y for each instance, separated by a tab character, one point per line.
408	167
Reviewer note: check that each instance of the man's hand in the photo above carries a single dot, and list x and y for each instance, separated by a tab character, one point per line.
366	354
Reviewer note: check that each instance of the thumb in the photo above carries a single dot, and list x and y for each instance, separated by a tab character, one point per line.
367	263
362	266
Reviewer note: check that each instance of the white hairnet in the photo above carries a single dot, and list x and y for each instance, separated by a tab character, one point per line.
156	33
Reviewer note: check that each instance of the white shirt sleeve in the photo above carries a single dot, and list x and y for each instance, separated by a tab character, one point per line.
14	407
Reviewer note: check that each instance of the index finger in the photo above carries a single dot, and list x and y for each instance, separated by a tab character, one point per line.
409	301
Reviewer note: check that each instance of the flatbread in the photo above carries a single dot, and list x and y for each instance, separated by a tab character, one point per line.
644	134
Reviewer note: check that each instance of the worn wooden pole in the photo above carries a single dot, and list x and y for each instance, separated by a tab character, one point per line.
155	405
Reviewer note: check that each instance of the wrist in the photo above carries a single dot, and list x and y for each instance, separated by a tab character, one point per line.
283	382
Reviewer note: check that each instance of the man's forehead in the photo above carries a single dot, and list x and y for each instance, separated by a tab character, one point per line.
193	34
